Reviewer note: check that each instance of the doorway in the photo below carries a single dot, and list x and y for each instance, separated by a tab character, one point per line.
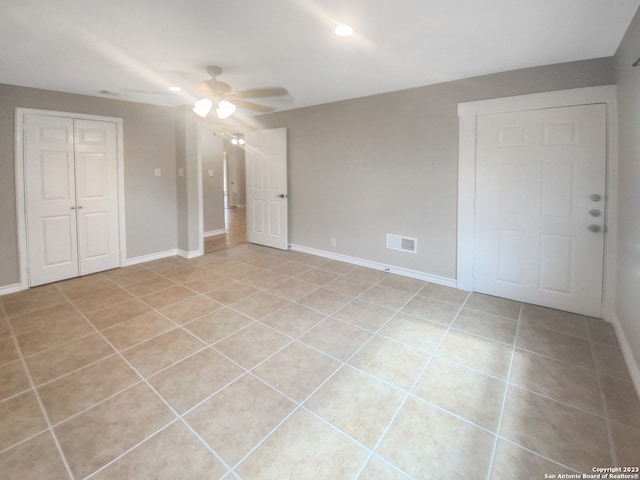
470	266
223	187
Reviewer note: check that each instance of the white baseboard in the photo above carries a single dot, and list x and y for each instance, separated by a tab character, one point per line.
150	257
13	288
213	233
405	272
627	353
192	254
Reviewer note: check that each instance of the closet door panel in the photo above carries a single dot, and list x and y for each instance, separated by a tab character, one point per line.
96	187
50	199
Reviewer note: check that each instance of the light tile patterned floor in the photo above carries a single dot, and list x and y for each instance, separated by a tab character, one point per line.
254	363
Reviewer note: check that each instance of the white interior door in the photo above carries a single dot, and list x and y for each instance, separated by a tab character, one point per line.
266	184
540	205
71	192
96	196
50	196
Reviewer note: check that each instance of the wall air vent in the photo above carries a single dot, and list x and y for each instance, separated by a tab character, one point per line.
401	243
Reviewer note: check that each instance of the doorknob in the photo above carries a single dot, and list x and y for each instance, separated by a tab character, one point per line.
594	212
594	228
282	195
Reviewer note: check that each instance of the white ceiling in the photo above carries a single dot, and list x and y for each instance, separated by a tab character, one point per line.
85	46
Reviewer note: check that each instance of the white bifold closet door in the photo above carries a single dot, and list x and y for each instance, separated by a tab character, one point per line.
71	197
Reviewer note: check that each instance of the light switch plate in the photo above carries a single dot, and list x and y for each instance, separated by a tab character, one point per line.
157	172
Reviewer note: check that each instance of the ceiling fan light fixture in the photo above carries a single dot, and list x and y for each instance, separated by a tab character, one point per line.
203	107
237	139
225	109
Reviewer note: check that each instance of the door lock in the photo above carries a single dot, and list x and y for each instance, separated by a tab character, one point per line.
594	228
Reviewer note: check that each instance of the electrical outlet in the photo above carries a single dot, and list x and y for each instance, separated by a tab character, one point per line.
332	241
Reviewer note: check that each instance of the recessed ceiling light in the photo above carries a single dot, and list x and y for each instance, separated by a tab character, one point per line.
344	30
175	89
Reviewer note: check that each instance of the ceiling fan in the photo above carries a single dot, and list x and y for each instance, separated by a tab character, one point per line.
226	100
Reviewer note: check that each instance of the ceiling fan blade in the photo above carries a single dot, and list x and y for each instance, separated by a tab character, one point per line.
208	89
260	92
252	106
205	89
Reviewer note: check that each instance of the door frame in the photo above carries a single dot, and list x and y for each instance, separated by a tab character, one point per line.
467	113
23	257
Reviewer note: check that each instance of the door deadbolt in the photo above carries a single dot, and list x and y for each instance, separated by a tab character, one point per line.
594	228
594	197
594	212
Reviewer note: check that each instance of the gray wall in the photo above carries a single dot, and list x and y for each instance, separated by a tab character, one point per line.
149	143
628	277
236	172
212	151
361	168
357	169
189	239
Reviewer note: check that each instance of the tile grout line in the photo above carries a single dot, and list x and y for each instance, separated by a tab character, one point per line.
106	465
538	455
504	397
300	405
605	406
38	399
410	390
144	380
508	384
379	281
211	346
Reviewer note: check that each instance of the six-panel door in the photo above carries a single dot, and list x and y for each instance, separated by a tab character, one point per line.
540	192
71	197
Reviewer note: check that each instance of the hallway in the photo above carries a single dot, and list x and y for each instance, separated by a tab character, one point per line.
235	223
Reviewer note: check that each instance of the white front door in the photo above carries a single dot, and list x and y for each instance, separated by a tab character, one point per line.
266	184
71	197
540	205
